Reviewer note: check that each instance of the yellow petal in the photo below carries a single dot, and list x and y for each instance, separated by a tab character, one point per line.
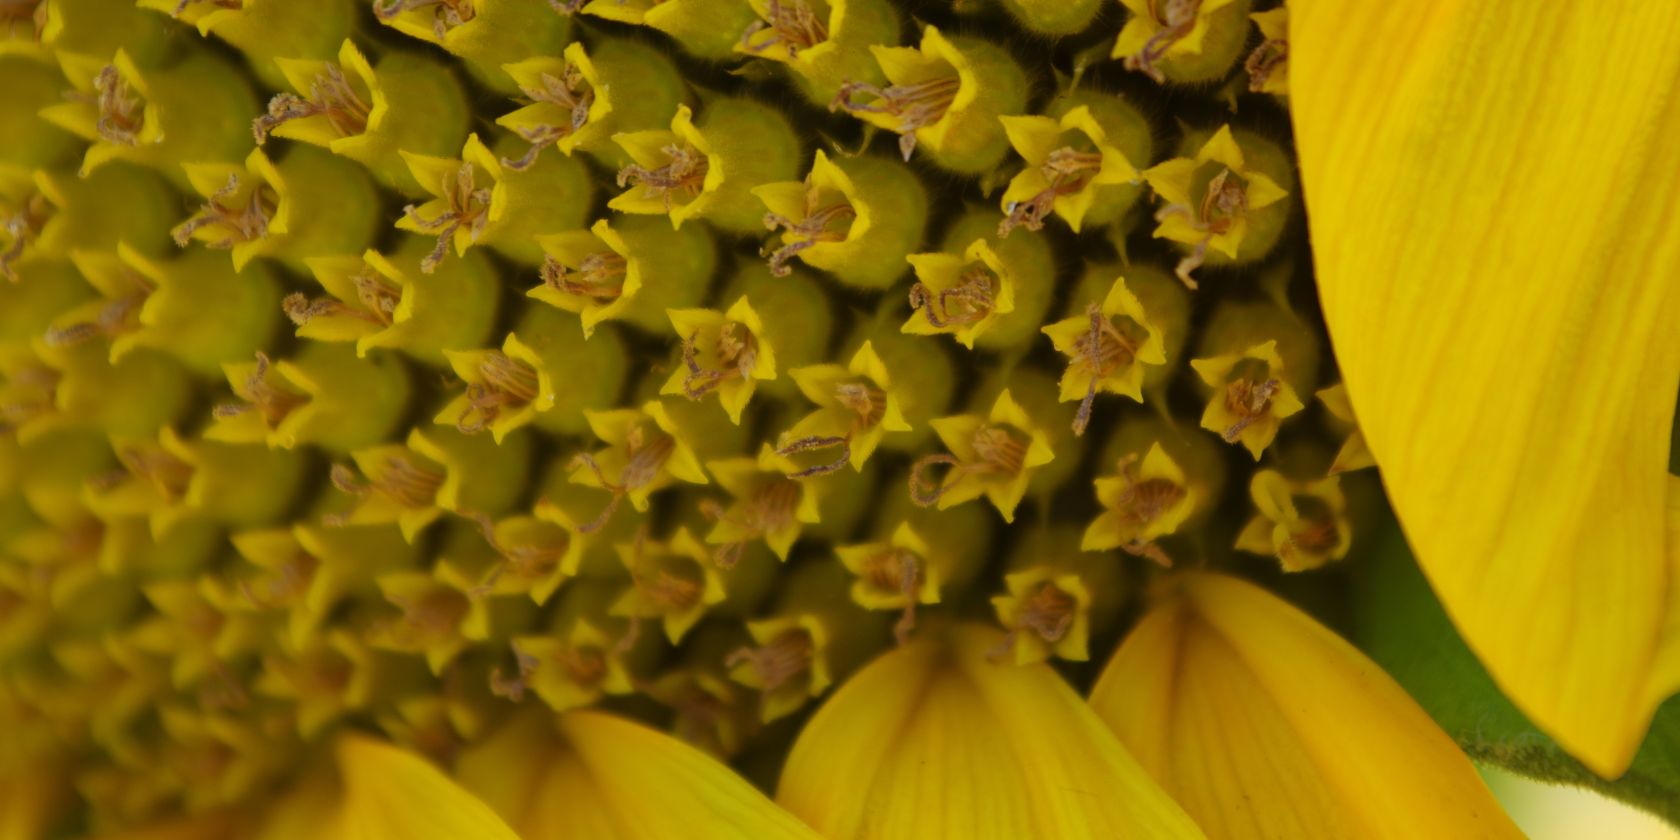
592	775
936	740
1262	723
391	794
1492	206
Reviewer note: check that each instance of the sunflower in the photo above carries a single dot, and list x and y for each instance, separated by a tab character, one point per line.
1022	418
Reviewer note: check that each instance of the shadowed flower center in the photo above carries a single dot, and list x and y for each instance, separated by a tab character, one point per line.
330	95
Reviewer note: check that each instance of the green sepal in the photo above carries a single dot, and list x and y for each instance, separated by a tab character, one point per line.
1054	17
1399	623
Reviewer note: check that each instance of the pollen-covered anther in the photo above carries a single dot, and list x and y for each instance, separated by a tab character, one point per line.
969	301
569	91
153	464
1068	170
792	24
467	205
1176	19
778	661
446	14
1265	60
1225	201
401	479
330	96
23	226
997	451
599	276
1103	349
1248	400
915	105
239	223
377	298
770	507
513	688
1048	613
121	110
684	174
736	352
897	570
645	459
504	382
825	224
264	395
1141	503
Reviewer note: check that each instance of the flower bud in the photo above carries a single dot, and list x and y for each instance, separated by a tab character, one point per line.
994	455
709	29
628	267
32	85
1302	523
264	30
324	396
1182	43
1082	159
995	293
1054	17
825	43
486	34
1058	597
55	214
194	307
708	167
1227	204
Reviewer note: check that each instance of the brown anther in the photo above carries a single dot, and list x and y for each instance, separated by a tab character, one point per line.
736	350
999	449
430	617
1176	19
566	8
792	24
1049	612
815	443
1141	503
504	382
599	276
924	491
569	90
778	661
121	112
514	688
287	583
1249	401
169	474
446	14
916	105
245	223
868	401
273	401
1068	170
642	465
1223	202
826	224
899	571
466	206
967	302
771	506
1102	350
1264	61
23	227
330	96
40	384
684	174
